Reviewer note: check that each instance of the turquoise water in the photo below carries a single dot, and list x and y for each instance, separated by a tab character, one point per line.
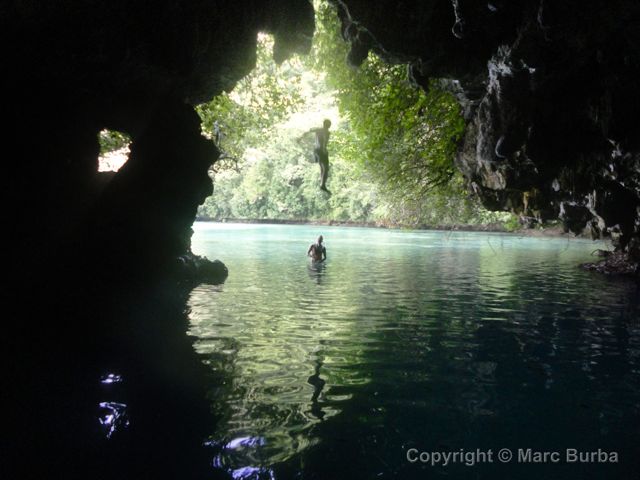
407	342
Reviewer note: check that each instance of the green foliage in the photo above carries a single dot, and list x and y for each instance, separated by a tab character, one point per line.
281	182
111	140
245	117
407	137
391	148
512	224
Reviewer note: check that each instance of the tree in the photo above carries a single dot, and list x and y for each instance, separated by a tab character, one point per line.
407	137
244	118
391	149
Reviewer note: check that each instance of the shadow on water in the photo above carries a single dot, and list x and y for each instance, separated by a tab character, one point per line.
105	384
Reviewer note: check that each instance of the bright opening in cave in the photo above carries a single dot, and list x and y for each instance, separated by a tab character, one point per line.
390	150
114	150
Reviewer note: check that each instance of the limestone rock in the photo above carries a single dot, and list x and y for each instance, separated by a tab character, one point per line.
549	90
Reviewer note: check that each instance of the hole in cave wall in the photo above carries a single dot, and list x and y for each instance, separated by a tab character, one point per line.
114	150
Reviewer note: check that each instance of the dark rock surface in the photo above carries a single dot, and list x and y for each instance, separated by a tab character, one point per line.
71	69
92	262
550	92
617	263
195	269
152	201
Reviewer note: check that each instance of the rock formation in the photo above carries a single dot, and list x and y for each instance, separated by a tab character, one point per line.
548	89
75	68
550	93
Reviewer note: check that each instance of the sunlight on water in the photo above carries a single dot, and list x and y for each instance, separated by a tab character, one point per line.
112	415
408	339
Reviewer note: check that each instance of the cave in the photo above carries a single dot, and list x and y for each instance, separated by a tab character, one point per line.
548	93
550	99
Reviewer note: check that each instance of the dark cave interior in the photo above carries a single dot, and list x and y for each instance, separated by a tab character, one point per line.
549	91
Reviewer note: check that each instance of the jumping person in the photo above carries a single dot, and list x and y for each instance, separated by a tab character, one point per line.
320	153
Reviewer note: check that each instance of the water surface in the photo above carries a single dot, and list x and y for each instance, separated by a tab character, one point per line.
434	341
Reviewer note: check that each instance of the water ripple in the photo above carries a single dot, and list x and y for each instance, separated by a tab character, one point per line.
400	337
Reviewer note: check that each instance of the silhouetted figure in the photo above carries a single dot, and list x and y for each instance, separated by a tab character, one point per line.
317	251
320	153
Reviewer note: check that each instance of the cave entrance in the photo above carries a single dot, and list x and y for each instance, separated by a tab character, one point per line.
391	145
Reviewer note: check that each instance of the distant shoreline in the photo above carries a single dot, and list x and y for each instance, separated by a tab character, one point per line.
554	231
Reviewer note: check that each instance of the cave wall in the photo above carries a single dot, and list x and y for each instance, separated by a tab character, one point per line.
89	252
549	90
76	67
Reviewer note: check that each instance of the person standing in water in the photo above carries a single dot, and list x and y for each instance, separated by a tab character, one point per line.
317	251
320	152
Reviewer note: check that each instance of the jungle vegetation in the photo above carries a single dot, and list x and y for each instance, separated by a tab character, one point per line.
391	148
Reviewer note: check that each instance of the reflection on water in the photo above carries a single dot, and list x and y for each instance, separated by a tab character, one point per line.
113	415
317	270
110	378
427	340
